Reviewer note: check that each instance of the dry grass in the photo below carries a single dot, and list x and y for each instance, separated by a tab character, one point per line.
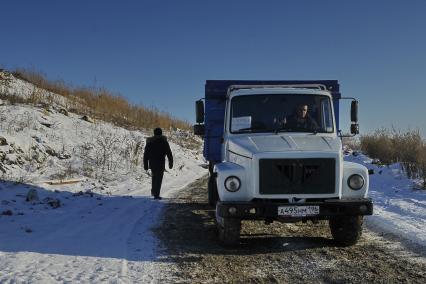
102	104
352	142
392	146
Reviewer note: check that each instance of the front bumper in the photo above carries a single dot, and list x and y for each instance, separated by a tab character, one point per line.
269	209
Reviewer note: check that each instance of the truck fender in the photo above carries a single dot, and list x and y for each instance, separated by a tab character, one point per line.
350	169
222	172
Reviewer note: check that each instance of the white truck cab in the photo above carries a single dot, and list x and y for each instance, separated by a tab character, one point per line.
279	158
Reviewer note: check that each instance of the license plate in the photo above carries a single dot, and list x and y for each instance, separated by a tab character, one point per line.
298	211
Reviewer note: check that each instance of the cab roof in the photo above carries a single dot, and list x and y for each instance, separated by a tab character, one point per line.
214	89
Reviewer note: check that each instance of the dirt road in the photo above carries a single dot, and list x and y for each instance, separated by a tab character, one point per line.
276	253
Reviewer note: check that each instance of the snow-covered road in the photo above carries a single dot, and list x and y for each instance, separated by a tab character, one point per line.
88	239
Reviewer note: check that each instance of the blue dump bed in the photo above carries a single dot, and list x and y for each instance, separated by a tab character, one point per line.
215	101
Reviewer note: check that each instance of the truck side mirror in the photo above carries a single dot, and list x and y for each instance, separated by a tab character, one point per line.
199	129
199	111
354	111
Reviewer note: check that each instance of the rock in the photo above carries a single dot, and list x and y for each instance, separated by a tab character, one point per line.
63	156
63	111
50	151
4	75
32	195
38	139
88	119
46	110
38	155
3	141
1	102
7	213
47	124
53	202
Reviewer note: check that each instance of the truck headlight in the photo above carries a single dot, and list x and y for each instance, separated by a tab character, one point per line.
356	182
232	184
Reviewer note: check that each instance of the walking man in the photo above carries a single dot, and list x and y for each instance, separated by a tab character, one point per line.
154	158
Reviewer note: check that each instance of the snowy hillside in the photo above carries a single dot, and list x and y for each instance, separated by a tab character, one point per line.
92	211
44	145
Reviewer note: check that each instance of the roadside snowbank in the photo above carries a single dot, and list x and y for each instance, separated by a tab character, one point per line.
399	208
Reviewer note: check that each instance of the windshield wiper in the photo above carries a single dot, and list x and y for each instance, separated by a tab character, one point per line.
282	129
286	129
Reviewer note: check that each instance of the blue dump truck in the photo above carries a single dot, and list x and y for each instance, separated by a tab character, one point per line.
275	154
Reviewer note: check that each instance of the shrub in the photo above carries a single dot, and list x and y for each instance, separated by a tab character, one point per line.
421	162
379	145
407	148
102	104
352	143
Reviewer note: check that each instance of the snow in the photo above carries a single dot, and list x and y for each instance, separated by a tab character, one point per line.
102	230
399	206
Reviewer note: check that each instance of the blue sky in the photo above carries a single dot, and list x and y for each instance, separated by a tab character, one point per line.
159	53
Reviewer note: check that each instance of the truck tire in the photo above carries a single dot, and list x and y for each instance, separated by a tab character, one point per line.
346	230
213	196
229	232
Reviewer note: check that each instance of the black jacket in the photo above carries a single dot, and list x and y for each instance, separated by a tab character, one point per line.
156	150
307	123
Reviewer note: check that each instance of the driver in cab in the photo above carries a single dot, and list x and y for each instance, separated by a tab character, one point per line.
301	119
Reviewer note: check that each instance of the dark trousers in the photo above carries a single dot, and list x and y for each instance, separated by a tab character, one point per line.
157	179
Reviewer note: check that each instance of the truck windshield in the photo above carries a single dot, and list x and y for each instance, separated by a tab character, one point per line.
281	113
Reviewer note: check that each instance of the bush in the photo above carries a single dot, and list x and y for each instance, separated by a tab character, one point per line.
352	143
407	148
379	145
421	162
102	104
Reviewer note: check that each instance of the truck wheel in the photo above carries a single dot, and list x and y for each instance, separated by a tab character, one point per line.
346	230
229	231
213	196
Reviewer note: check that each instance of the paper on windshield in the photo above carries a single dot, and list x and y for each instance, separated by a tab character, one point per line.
241	122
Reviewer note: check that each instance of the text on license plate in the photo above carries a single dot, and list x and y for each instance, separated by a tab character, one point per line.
298	211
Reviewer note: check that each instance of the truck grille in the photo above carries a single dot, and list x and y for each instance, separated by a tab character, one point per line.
297	176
